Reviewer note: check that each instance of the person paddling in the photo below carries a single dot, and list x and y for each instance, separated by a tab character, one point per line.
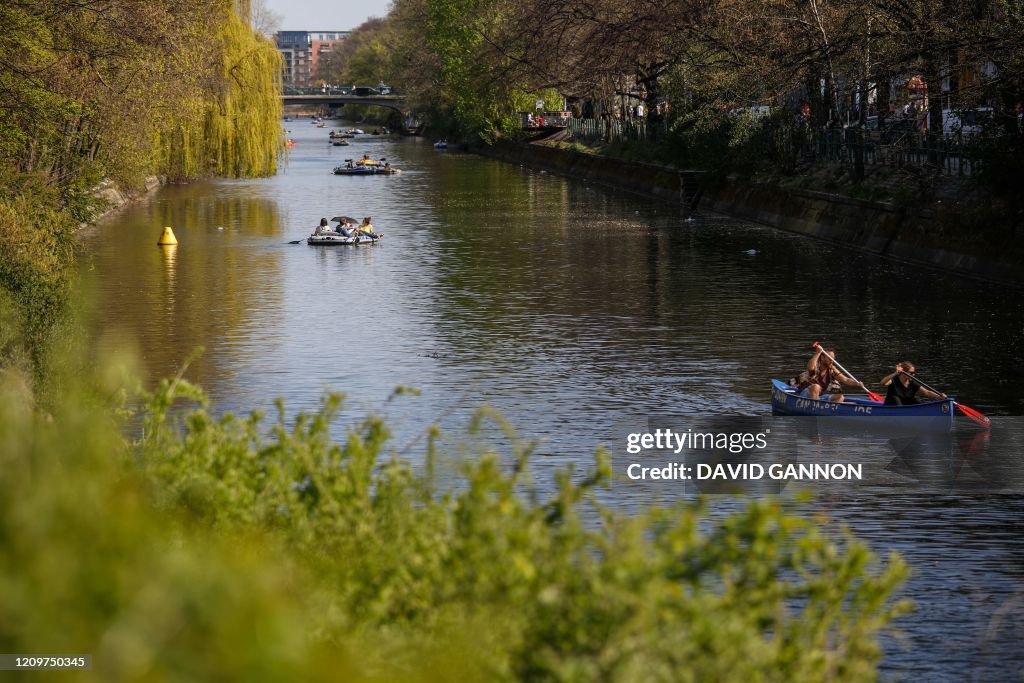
902	390
821	373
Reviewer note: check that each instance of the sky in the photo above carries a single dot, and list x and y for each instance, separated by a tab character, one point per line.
326	15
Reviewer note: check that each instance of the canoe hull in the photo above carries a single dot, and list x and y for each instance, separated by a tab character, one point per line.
937	414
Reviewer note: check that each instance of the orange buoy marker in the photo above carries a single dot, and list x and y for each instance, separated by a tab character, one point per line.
168	237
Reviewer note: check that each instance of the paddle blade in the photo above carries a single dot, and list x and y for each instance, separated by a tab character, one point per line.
875	397
979	418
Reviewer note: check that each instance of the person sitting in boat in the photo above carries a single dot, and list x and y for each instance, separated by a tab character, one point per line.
320	228
345	226
799	379
367	227
903	390
822	374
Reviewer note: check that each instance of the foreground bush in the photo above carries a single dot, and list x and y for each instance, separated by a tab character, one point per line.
217	550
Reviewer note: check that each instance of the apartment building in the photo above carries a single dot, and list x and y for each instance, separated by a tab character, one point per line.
302	52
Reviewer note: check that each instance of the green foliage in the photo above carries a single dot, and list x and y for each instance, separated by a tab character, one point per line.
122	90
527	101
703	134
226	548
229	125
364	58
658	596
114	91
477	100
243	125
36	266
369	64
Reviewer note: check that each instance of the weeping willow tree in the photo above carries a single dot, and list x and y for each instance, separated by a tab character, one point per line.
231	127
116	90
243	129
126	88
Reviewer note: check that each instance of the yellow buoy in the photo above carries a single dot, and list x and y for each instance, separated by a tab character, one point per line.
168	237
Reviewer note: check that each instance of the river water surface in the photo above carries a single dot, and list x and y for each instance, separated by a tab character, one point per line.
567	306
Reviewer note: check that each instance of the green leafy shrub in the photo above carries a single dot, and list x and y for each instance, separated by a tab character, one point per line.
36	266
229	549
649	597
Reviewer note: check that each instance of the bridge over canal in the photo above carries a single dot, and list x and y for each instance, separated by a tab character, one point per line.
396	102
333	100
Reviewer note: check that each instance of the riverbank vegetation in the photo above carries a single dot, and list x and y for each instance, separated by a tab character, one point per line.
201	547
230	547
776	87
115	90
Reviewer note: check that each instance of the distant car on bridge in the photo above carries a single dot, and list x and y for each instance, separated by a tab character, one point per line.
364	91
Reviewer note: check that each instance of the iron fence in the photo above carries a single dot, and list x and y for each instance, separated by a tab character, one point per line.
614	130
897	145
955	155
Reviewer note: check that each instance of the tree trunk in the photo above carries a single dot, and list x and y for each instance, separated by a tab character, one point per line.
933	77
650	100
858	149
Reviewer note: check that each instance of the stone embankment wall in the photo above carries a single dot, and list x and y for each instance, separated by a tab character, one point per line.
117	198
937	238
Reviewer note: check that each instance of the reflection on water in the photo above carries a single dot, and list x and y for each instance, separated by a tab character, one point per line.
202	292
170	257
566	306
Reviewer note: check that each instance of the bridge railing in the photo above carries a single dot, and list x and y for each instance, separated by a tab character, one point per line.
333	90
303	90
612	130
552	119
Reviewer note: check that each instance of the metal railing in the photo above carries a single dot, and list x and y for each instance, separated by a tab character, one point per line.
613	130
897	145
335	90
954	155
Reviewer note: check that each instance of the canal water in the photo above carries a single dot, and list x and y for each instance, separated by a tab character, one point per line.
567	306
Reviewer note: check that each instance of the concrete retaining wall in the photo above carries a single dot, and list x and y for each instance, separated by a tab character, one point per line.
936	238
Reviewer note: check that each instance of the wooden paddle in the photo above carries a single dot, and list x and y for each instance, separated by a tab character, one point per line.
970	412
872	395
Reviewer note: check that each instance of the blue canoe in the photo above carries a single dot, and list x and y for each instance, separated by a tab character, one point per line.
786	402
